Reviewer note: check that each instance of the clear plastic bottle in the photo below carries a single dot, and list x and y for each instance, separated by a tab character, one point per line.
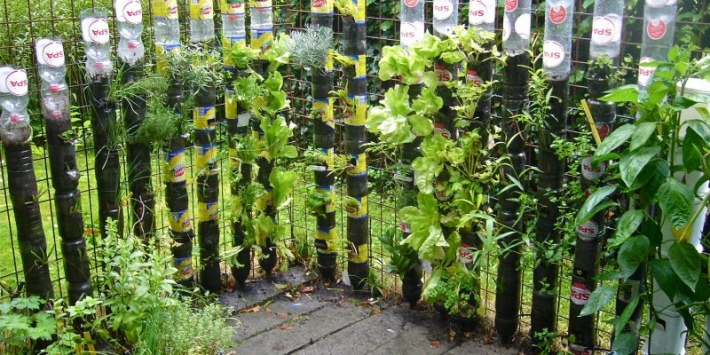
52	71
95	32
129	15
412	19
606	29
166	23
516	26
14	121
558	38
658	29
262	26
201	21
446	14
233	28
482	15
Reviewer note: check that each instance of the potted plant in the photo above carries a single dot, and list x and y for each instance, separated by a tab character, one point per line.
455	294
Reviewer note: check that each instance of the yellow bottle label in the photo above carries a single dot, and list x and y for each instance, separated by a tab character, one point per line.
234	162
358	254
357	207
260	3
356	113
329	60
175	166
325	241
208	211
322	6
180	221
205	158
330	191
165	9
230	105
205	118
329	157
184	268
160	60
323	110
362	10
201	10
358	164
262	39
231	9
361	67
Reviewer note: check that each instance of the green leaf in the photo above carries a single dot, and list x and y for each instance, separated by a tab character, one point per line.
421	126
652	177
625	343
283	183
626	93
428	102
643	132
595	203
676	201
632	253
700	127
632	162
598	299
290	152
629	222
685	261
665	276
614	140
621	321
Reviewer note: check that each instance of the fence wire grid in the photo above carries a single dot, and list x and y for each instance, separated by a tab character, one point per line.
23	22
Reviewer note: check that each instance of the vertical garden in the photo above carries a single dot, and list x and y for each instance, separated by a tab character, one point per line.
537	170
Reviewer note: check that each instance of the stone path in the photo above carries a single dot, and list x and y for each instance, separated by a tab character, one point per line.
290	315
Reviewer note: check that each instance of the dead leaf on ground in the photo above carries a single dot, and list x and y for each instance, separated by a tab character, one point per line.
434	343
281	286
284	327
375	312
365	304
452	335
489	340
307	289
468	334
254	309
282	315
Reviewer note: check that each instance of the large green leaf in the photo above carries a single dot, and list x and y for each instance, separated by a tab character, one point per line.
685	261
598	299
632	162
595	203
643	132
692	151
629	222
665	276
631	254
614	140
626	93
676	201
621	321
625	343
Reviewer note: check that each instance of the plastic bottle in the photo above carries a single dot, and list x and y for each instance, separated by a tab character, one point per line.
516	26
606	28
166	24
52	71
658	29
14	121
201	21
558	39
129	16
412	19
482	15
262	26
233	28
95	32
446	14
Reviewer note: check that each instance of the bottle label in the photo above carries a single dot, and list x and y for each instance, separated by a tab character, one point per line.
321	7
522	26
180	221
201	10
232	9
325	240
358	164
205	118
208	211
359	209
184	268
172	9
405	227
411	3
443	74
558	14
440	128
205	157
603	130
591	173
129	11
50	52
443	9
511	5
579	294
165	9
466	253
473	78
481	11
243	119
588	229
506	28
14	82
324	111
175	168
230	104
411	32
260	3
656	29
262	39
645	73
553	54
605	29
359	115
95	30
659	3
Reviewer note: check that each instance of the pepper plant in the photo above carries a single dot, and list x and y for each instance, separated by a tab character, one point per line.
652	160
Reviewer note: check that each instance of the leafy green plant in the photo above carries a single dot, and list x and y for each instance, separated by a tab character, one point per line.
653	154
402	257
309	48
455	290
22	323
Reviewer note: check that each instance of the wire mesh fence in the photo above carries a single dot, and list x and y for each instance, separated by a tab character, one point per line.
23	22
